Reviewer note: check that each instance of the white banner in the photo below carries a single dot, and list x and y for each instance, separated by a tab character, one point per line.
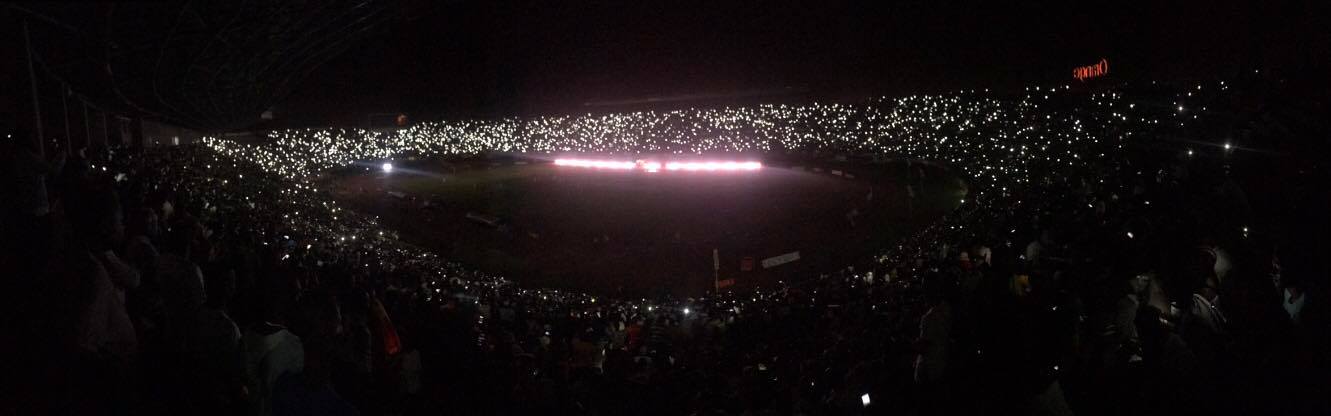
771	262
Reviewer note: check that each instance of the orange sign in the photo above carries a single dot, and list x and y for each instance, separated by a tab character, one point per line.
1082	73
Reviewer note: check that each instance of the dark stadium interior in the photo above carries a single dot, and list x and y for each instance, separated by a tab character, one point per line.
665	207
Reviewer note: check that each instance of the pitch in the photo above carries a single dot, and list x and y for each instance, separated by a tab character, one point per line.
636	233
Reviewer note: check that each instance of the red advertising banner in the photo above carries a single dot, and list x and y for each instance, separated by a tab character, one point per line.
1082	73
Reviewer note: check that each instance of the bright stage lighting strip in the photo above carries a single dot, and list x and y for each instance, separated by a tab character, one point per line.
654	166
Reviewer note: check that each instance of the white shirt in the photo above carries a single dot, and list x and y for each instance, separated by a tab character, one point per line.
104	324
268	357
1295	308
935	327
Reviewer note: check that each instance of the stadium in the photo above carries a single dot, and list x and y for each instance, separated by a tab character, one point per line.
1058	247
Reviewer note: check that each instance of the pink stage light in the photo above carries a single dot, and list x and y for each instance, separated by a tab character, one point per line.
713	166
599	164
651	166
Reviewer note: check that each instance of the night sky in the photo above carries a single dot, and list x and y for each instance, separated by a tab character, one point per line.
455	59
482	58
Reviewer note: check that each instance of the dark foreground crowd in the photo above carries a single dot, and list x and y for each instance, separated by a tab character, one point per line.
176	281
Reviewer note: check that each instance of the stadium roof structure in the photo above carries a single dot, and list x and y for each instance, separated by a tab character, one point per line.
207	65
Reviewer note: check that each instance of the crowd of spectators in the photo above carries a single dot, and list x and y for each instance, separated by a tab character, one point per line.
1096	267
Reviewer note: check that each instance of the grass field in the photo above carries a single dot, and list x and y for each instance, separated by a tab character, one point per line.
647	234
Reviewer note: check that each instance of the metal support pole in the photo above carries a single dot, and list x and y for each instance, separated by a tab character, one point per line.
36	101
87	126
106	131
64	101
716	271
